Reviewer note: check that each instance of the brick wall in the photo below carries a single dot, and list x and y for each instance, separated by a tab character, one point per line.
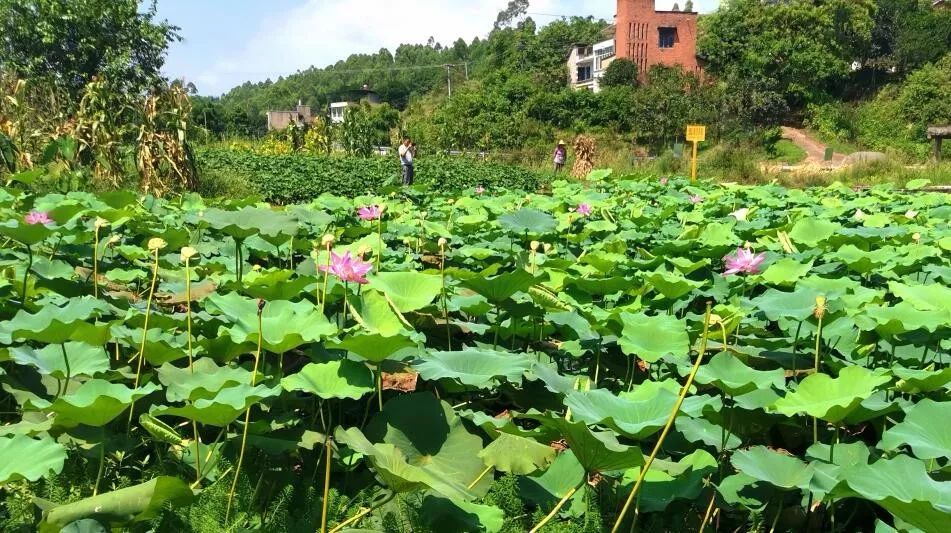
639	36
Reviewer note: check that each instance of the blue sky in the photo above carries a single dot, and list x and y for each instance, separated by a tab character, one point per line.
228	42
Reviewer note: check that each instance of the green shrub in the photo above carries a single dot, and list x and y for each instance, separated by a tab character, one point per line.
294	178
734	162
830	120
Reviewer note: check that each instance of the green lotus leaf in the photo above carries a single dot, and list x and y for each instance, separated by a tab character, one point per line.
373	312
746	492
786	271
546	488
418	442
133	504
286	325
249	221
923	430
374	348
500	288
409	291
516	455
203	380
811	231
596	451
731	376
718	235
333	379
927	380
931	297
160	346
706	432
28	234
798	305
653	337
668	481
902	486
58	325
904	317
95	403
778	469
443	514
224	408
83	359
831	399
29	459
474	367
672	285
861	261
527	220
634	419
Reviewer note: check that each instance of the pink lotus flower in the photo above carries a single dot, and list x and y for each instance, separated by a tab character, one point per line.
583	209
38	217
480	190
348	268
370	212
696	199
743	261
664	181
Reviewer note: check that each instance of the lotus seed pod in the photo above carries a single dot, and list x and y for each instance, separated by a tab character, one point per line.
114	240
327	240
363	250
820	306
534	245
382	208
256	268
916	237
101	223
911	214
547	247
424	214
715	319
188	252
157	244
443	242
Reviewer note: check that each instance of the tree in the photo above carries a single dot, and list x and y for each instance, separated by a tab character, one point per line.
622	72
515	9
71	42
676	7
688	7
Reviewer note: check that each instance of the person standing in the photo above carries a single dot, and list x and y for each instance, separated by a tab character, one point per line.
561	155
407	154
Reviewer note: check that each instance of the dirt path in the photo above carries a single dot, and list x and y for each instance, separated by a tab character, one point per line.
815	150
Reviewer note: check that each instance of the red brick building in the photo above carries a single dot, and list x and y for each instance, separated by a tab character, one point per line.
649	37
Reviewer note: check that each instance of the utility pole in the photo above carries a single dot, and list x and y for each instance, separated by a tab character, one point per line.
449	78
466	64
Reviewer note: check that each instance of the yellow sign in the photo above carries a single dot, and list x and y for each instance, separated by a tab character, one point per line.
696	133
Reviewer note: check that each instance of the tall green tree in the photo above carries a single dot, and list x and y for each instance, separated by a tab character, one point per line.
71	42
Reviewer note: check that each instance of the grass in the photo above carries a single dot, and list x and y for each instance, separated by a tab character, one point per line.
789	152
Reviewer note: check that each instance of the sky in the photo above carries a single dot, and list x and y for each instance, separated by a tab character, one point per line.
229	42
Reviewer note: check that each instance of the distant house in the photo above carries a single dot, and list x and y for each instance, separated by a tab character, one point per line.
649	37
338	110
279	120
587	63
943	4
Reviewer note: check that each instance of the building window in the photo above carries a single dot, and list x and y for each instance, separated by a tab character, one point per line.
668	36
584	73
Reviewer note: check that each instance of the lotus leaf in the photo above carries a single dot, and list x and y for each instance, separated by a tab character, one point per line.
223	408
84	359
94	403
500	288
474	367
203	380
333	379
442	514
516	455
596	451
286	325
29	459
527	220
730	375
831	399
634	419
653	337
923	429
374	348
778	469
409	291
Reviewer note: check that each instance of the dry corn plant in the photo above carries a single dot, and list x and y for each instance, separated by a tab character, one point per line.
163	158
584	156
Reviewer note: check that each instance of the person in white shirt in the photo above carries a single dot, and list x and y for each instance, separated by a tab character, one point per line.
407	152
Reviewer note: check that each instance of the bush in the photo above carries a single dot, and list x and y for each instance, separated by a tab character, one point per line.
734	162
831	120
297	178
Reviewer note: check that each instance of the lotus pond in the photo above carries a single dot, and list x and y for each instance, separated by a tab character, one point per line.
626	355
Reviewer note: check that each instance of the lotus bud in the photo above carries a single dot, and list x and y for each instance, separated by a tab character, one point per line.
407	241
382	208
424	214
859	215
363	250
443	242
911	214
327	240
534	245
113	240
715	319
547	247
100	223
256	268
261	304
451	201
188	252
916	237
156	244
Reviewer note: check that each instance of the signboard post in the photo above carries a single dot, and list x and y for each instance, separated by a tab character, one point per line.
695	134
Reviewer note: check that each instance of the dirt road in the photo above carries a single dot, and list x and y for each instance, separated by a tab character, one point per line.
815	150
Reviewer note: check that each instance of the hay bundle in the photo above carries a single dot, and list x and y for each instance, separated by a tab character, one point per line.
584	156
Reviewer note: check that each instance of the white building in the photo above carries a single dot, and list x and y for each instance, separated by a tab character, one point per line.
337	111
587	63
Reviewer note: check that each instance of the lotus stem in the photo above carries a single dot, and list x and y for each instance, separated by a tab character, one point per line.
247	415
323	516
66	362
561	503
323	295
26	275
379	385
445	295
709	513
102	465
363	513
670	421
145	329
95	264
478	479
820	313
379	236
191	359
